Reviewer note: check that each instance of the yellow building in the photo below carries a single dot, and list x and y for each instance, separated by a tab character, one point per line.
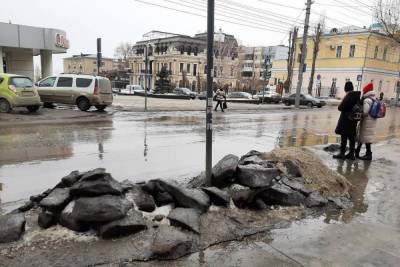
87	64
349	54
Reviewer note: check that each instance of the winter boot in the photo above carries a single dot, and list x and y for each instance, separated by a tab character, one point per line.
367	156
341	155
357	153
351	155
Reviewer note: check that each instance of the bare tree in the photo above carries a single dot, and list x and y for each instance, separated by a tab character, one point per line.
316	38
291	59
388	14
185	81
123	51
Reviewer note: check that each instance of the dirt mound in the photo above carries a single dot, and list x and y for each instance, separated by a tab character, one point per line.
316	174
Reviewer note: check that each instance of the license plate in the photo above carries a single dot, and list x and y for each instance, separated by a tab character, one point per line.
27	93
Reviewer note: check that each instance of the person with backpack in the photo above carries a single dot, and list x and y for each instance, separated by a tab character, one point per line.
371	109
347	124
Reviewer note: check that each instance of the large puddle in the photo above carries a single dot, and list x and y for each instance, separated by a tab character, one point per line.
140	146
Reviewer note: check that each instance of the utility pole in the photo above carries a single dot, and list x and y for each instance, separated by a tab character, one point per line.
146	61
99	56
210	67
254	70
316	41
303	53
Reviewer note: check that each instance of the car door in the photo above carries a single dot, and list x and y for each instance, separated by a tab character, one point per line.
303	100
63	90
46	89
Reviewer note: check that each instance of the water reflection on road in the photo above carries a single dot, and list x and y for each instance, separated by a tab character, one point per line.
142	146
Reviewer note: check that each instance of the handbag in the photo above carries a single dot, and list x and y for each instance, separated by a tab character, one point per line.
225	106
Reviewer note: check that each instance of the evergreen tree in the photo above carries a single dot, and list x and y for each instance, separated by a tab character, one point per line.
163	83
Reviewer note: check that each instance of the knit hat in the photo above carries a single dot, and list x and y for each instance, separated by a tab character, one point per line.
368	88
348	87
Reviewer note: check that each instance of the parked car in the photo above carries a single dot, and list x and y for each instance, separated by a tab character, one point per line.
269	96
18	91
133	89
240	95
184	91
75	89
305	100
203	95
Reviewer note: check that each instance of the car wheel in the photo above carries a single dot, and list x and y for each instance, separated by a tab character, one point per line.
48	105
309	105
5	106
100	107
287	103
83	104
319	106
32	108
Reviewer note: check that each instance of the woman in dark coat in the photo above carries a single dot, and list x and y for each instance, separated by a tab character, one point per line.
347	128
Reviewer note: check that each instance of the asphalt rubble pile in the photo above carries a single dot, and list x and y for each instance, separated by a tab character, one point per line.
257	183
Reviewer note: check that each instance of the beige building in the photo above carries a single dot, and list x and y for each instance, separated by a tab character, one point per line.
349	54
185	59
87	64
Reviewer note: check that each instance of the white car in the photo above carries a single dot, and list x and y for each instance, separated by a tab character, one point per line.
76	89
133	89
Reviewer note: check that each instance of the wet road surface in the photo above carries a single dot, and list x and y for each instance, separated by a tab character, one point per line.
141	146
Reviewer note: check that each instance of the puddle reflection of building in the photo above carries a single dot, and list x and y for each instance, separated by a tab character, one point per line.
357	173
48	142
306	131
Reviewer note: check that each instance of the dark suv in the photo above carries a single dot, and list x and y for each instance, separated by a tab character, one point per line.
305	100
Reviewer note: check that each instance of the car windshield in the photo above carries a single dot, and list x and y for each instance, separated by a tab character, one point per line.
308	96
21	82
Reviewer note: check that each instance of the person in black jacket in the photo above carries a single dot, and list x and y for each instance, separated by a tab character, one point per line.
346	127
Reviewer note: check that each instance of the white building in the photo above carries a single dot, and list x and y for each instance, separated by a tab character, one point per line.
20	43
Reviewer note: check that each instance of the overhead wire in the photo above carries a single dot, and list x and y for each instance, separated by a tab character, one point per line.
240	14
253	26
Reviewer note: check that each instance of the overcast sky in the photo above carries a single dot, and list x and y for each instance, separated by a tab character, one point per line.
118	21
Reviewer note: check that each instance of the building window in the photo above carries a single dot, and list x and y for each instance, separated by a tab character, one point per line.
205	69
181	67
188	68
352	50
194	69
376	52
385	53
95	62
94	70
339	51
170	67
299	58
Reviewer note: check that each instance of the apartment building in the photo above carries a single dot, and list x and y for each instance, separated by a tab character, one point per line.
252	64
354	54
87	64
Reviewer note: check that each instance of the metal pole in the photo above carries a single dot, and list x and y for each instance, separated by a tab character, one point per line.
210	67
98	55
145	77
303	53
